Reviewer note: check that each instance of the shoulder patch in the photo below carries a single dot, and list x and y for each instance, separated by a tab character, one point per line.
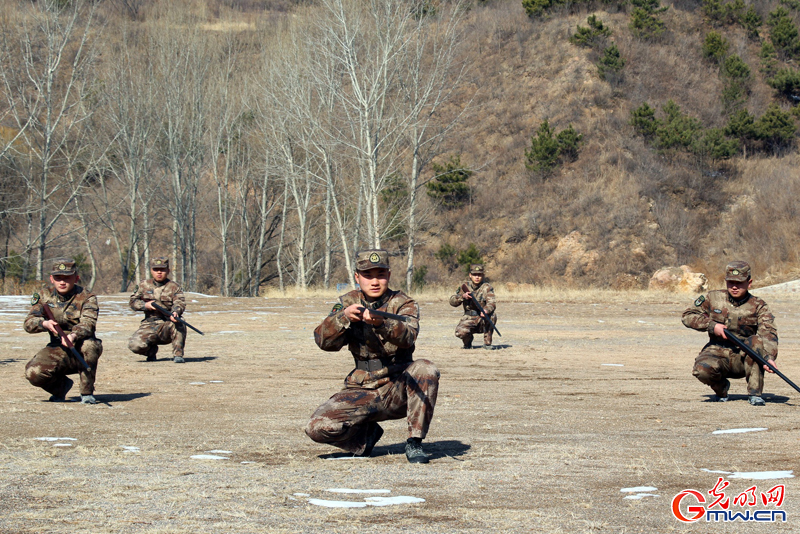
336	307
35	299
701	299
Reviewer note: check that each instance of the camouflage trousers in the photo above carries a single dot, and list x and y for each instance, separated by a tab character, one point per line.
153	333
50	366
469	325
343	420
716	363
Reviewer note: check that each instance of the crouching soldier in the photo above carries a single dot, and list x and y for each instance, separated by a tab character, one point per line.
473	321
75	310
156	329
386	382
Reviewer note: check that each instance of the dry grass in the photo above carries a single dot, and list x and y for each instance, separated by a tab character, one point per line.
536	437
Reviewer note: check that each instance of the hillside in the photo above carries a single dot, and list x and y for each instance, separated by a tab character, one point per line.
624	206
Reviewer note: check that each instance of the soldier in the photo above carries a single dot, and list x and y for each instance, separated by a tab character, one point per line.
472	321
155	329
745	316
386	382
75	311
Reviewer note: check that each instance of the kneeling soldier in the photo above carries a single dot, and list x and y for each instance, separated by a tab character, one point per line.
156	329
386	383
75	311
473	321
745	316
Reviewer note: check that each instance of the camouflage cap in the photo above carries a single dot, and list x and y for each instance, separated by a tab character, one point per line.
477	268
372	259
159	262
737	271
65	266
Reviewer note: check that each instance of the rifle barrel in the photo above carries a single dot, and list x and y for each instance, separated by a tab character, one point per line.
760	359
49	313
165	312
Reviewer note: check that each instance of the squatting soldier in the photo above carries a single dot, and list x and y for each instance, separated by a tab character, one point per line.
745	316
386	382
155	329
472	321
75	311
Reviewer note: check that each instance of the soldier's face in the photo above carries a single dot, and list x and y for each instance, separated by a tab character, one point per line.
63	282
738	289
159	274
373	282
476	278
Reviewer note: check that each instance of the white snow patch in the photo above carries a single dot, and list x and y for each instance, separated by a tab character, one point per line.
209	457
230	332
755	475
217	451
62	444
738	430
614	364
215	381
369	501
638	489
130	448
56	439
348	490
347	458
301	494
197	383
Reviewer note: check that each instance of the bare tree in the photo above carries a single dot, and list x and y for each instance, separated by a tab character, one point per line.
45	69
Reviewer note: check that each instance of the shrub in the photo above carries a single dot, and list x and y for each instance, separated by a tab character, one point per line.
589	37
715	47
783	32
736	74
776	128
713	145
547	150
449	185
418	277
769	59
752	21
447	254
787	83
610	62
741	126
469	255
677	130
645	23
643	120
536	8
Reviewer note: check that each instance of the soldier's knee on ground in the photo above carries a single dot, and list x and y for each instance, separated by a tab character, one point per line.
36	375
322	430
423	369
137	345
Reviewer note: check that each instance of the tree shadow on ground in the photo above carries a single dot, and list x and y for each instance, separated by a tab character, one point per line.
435	450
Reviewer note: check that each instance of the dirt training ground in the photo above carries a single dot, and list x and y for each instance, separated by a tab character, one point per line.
588	394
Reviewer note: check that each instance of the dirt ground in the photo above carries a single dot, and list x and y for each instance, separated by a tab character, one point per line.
587	395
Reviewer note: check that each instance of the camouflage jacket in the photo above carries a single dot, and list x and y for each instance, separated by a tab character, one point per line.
484	294
392	342
75	313
745	318
169	294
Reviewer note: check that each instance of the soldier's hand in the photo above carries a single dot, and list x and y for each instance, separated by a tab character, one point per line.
374	320
772	363
719	330
50	325
353	313
466	295
149	306
174	317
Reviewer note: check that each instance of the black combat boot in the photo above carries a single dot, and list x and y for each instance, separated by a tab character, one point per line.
414	452
374	433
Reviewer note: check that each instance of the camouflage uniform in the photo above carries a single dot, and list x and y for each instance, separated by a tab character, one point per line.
156	329
386	383
76	313
471	322
749	319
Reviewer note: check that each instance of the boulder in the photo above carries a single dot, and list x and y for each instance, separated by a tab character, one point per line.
679	280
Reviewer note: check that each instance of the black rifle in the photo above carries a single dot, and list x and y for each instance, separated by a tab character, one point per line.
465	289
404	318
166	313
65	340
760	359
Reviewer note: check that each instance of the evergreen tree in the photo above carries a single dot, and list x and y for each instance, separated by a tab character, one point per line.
787	83
715	47
776	128
677	130
645	23
544	151
589	37
712	145
643	120
769	59
783	32
736	75
449	185
610	62
752	21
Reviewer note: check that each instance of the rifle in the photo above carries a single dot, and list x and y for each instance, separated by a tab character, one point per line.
65	340
465	289
166	313
760	359
404	318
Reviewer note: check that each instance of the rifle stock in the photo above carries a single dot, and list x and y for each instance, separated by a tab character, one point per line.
760	359
64	339
166	313
465	289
